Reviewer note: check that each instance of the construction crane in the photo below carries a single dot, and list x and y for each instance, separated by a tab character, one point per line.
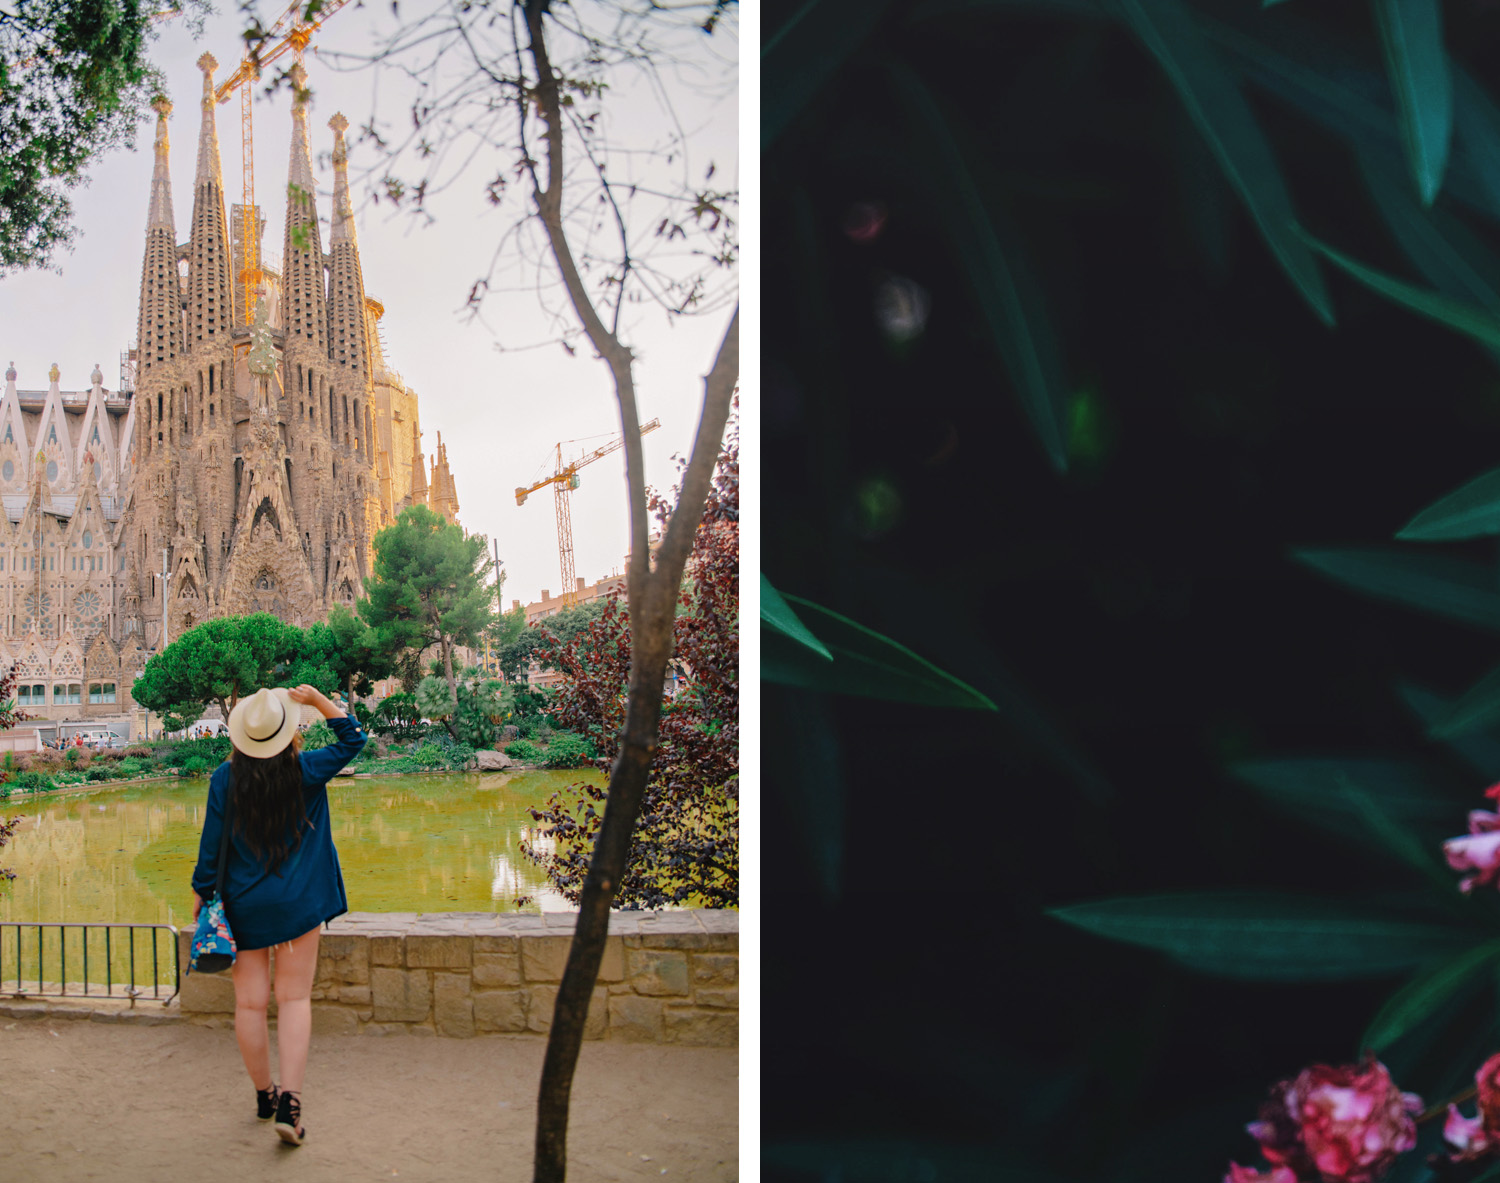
563	481
293	32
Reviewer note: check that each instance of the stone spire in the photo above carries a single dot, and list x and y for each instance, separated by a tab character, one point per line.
303	300
348	342
159	329
209	314
418	469
444	496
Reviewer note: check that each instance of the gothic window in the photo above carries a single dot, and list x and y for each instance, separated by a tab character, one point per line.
52	434
51	470
100	692
88	613
88	539
94	439
346	593
98	470
10	439
8	470
38	606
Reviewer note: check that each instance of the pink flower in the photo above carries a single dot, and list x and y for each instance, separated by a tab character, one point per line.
1477	1137
1333	1125
1478	852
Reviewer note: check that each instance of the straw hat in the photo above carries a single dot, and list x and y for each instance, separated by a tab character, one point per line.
263	724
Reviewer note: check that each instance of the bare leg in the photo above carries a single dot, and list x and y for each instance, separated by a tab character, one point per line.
296	964
252	992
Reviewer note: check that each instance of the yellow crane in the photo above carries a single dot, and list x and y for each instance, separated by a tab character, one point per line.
563	481
292	31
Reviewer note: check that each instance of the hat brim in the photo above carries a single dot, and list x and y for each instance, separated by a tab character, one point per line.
273	744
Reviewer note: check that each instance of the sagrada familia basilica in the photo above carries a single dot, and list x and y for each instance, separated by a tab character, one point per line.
248	468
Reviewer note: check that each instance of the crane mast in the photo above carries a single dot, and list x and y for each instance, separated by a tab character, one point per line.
564	480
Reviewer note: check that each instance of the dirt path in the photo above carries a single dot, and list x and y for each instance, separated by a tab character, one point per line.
93	1101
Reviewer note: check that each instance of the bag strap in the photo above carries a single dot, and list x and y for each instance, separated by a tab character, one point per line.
224	839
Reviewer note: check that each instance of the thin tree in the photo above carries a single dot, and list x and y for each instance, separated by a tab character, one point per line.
599	238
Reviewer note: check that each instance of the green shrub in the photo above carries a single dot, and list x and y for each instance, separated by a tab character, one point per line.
319	735
567	750
525	751
34	782
429	755
212	749
98	773
138	751
195	766
71	757
129	767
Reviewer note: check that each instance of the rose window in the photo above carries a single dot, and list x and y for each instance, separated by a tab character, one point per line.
38	607
88	611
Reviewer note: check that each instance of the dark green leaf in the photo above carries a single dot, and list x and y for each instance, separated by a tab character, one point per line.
1312	789
1209	92
1479	752
1411	34
1476	125
864	664
1476	710
989	253
777	613
1437	584
1456	314
1472	511
804	53
1268	937
1427	993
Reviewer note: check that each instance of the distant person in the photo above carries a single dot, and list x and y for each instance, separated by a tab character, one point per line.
282	880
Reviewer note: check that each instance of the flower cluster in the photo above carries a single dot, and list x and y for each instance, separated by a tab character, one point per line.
1332	1125
1478	851
1473	1138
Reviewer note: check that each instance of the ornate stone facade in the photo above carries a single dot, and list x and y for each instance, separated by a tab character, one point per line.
252	463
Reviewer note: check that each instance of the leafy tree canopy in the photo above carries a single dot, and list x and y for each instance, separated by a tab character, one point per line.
427	587
75	82
217	661
342	652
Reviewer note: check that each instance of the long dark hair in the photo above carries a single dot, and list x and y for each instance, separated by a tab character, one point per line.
268	801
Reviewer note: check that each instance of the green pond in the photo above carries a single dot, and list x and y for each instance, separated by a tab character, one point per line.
406	844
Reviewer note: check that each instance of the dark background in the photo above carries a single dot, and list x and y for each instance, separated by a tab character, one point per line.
1139	620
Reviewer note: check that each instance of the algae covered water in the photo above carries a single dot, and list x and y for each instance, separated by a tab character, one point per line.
445	843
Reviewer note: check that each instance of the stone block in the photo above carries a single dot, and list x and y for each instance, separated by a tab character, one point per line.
727	997
387	950
700	1028
418	1029
451	951
208	994
334	1020
541	1000
719	920
346	957
634	1019
497	969
354	995
657	973
452	1008
544	957
716	969
500	1010
695	941
612	967
492	761
496	943
400	996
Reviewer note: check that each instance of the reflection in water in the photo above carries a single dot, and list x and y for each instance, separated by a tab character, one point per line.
406	844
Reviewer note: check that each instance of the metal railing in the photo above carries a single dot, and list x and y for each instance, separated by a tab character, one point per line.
35	948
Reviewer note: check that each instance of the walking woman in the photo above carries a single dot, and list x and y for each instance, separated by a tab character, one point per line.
282	880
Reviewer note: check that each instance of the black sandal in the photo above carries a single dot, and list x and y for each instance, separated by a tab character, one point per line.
289	1118
265	1102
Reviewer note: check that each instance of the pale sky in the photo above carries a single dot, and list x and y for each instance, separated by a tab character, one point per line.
500	413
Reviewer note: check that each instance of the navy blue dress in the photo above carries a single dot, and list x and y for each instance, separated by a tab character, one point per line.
266	908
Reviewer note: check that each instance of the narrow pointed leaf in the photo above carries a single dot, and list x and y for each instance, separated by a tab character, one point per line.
1427	993
1313	790
778	614
1472	511
1210	93
865	664
1479	752
1269	937
1466	317
1476	128
800	57
1476	710
1445	251
990	254
1399	839
1436	584
1411	34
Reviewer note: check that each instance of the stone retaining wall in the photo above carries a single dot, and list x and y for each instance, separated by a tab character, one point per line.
667	977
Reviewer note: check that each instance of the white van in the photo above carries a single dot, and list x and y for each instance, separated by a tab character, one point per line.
101	738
